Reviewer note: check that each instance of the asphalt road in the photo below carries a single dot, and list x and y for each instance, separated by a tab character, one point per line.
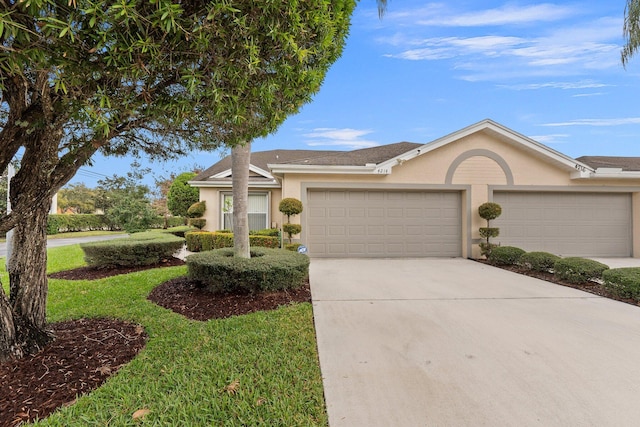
53	243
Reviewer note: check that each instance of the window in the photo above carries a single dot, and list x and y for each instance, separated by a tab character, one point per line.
257	208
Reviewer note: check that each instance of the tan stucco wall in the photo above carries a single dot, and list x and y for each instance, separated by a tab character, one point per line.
213	198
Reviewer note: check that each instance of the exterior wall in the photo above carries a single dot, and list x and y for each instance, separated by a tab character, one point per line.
510	166
475	165
213	198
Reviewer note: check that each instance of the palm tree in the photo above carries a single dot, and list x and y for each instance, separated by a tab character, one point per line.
631	30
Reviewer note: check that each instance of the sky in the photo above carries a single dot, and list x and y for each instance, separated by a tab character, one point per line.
550	71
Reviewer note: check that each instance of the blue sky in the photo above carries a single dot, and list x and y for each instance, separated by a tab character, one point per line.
550	71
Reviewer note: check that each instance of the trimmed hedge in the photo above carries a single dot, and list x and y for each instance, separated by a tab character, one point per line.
179	231
623	282
80	222
139	249
539	261
62	223
505	255
292	246
198	241
266	270
578	270
273	232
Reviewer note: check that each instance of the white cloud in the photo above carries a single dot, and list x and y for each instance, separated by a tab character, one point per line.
553	138
346	137
505	15
565	42
597	122
582	84
442	15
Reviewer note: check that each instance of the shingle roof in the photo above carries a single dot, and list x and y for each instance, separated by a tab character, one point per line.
625	163
359	157
261	159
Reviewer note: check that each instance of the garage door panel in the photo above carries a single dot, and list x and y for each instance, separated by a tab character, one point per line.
384	223
567	224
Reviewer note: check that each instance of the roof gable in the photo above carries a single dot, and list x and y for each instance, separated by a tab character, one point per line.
501	132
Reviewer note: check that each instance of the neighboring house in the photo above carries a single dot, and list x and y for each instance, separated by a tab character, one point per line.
421	200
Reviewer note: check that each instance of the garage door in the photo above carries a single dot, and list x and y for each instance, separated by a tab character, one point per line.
364	223
567	224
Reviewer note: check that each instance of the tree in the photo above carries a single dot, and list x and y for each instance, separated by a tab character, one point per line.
631	30
181	195
3	192
158	78
126	203
78	197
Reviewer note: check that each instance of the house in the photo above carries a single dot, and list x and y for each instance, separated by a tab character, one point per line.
421	200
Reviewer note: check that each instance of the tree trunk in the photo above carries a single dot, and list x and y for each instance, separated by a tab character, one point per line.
240	160
23	328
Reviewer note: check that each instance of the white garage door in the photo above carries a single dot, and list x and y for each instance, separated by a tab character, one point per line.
369	223
567	224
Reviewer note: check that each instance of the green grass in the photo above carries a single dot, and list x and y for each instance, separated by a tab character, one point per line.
181	374
78	234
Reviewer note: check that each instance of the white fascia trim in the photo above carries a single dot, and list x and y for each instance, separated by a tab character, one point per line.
203	184
252	168
615	175
292	168
497	128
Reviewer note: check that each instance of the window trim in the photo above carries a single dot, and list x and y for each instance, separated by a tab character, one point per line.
267	194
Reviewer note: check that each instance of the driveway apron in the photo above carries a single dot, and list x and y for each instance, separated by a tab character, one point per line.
453	342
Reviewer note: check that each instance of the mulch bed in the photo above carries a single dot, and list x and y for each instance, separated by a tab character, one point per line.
194	301
87	351
93	273
591	287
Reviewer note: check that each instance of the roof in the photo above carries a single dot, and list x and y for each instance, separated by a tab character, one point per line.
260	159
624	163
361	157
267	165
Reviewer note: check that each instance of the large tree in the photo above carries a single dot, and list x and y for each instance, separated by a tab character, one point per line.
631	30
154	77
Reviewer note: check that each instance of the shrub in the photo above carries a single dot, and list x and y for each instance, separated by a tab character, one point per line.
539	261
179	231
292	246
578	270
489	211
78	222
139	249
273	232
197	209
623	282
181	195
197	223
198	241
266	270
291	229
290	206
505	255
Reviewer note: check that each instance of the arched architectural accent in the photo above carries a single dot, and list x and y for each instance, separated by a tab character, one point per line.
479	152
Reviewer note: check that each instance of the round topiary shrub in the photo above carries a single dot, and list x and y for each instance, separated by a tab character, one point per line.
489	211
578	270
139	249
505	255
539	261
197	209
267	270
290	206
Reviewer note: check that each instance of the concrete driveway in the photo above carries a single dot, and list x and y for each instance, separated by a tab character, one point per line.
452	342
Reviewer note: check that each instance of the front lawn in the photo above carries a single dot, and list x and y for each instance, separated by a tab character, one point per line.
256	369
